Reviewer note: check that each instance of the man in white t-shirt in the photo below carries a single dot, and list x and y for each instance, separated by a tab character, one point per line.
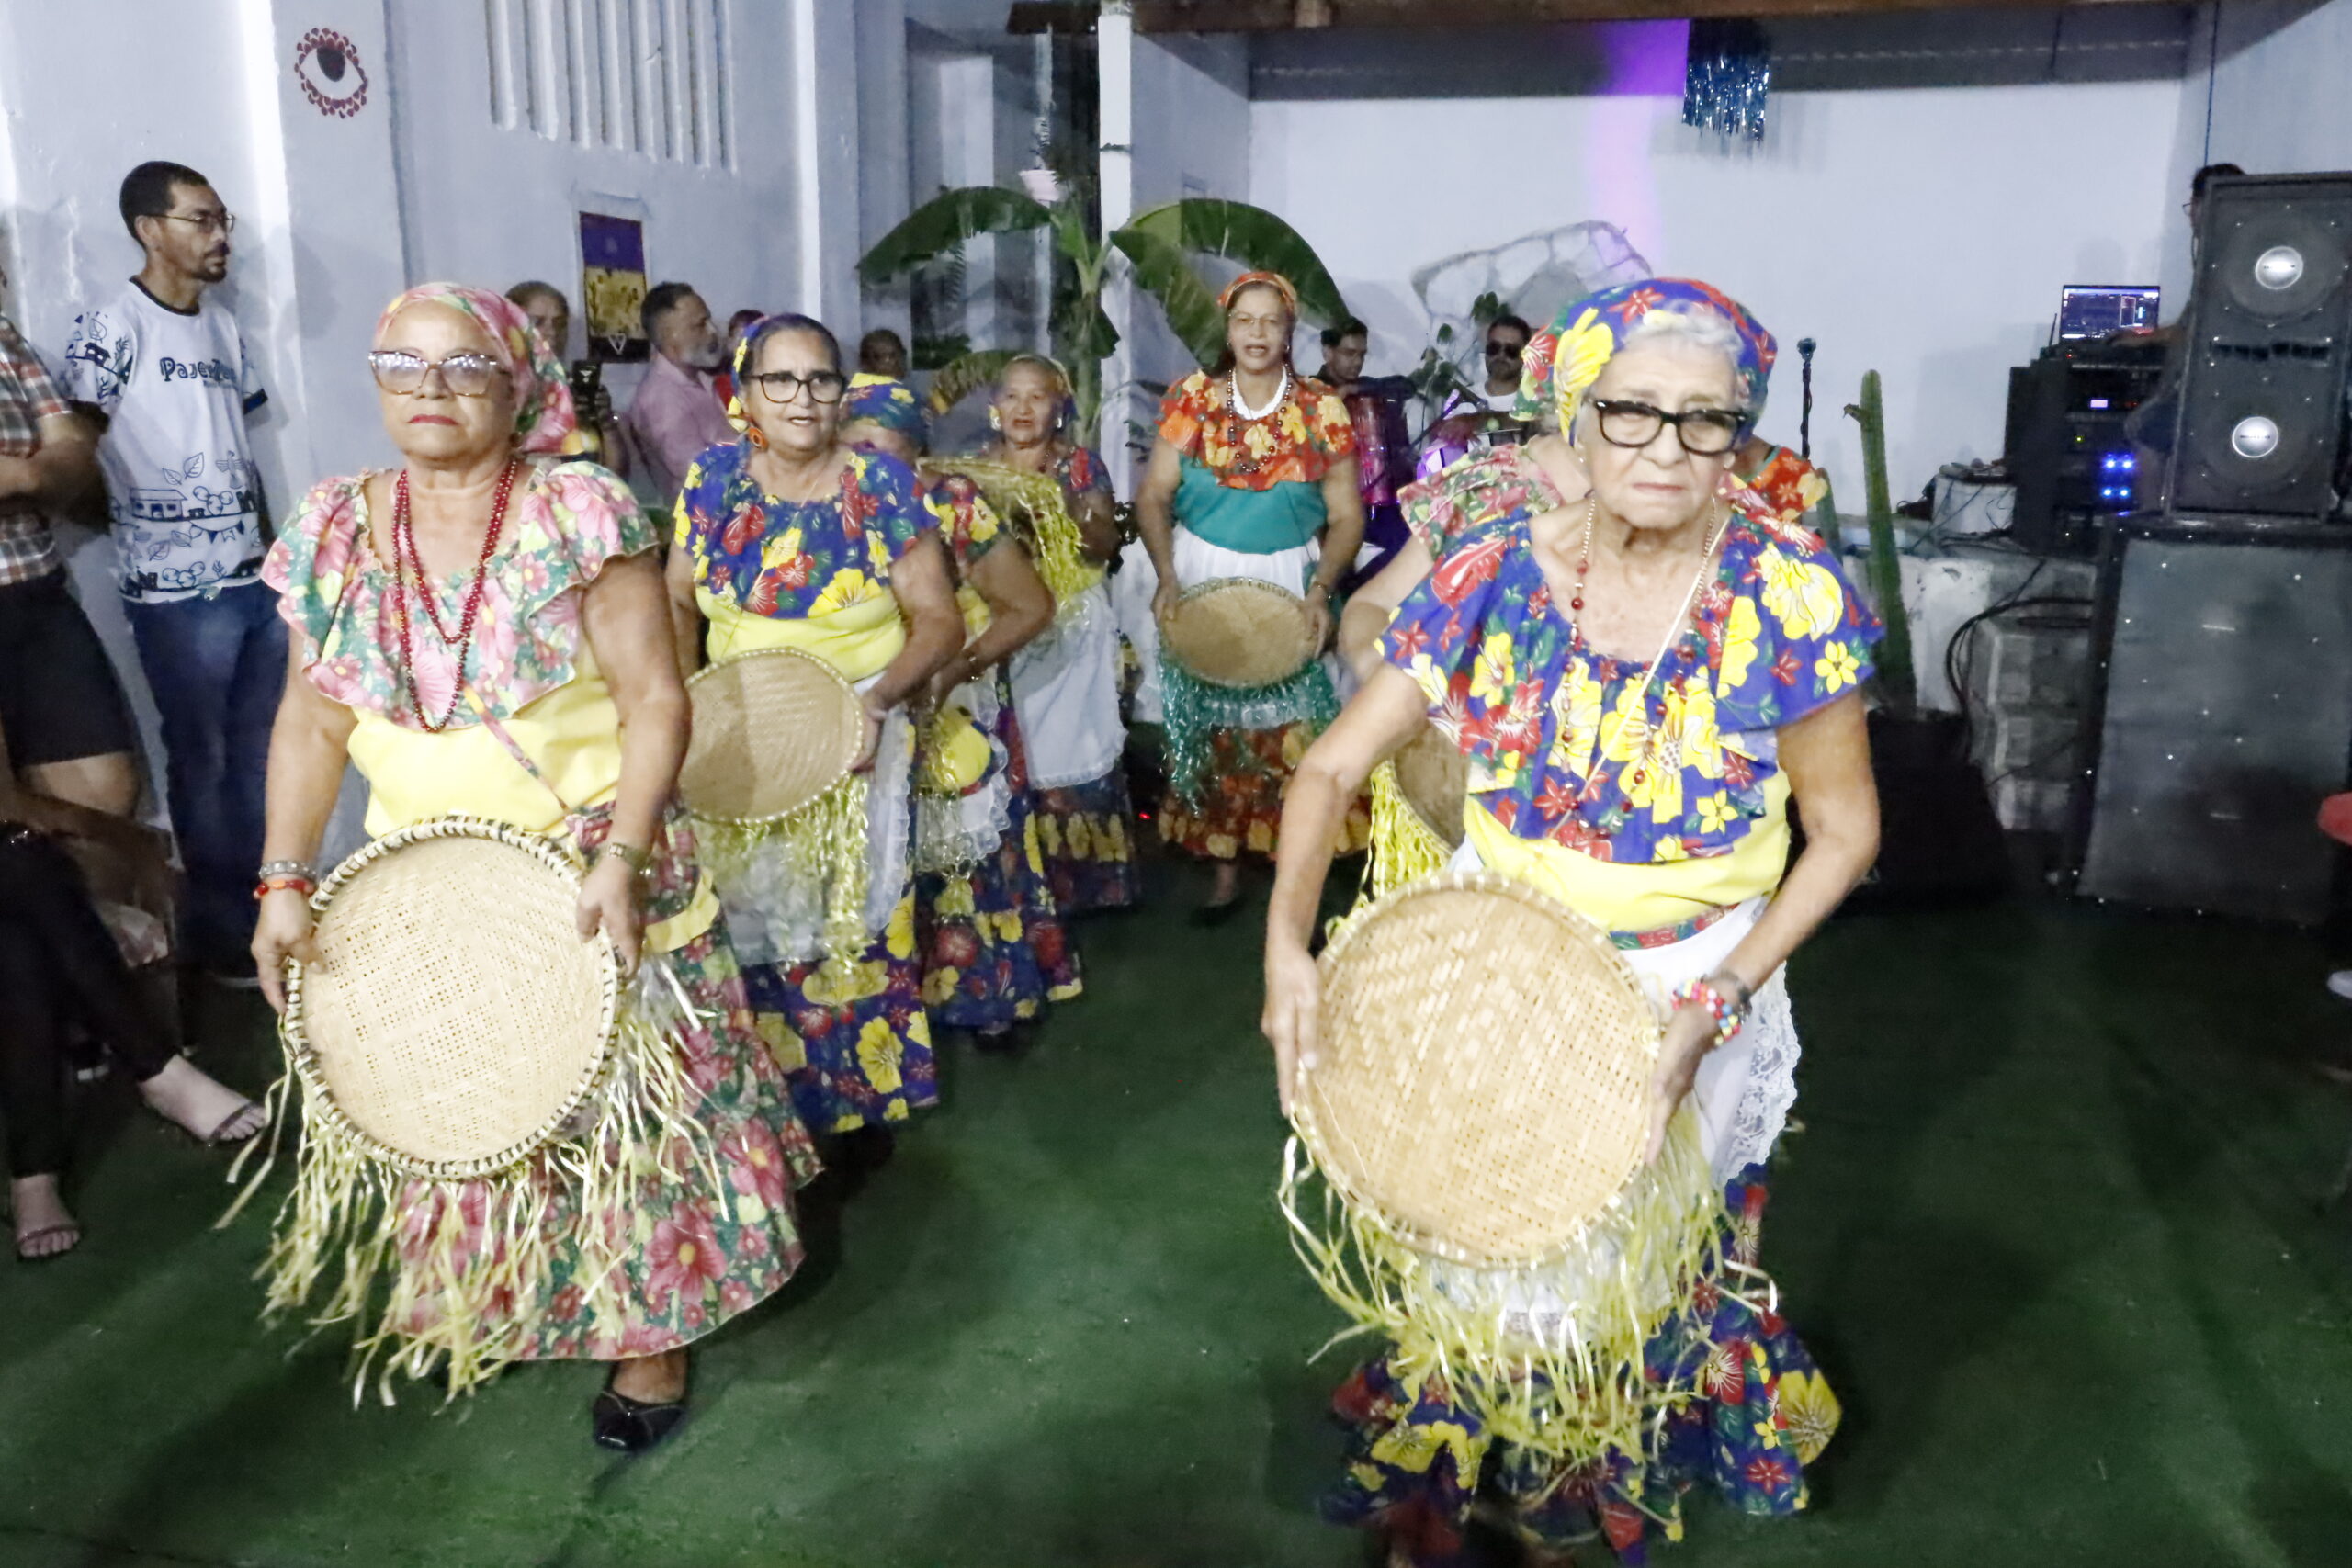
167	372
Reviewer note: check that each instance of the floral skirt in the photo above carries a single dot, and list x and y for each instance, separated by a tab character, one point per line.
864	1038
1085	833
703	1253
1419	1462
1240	808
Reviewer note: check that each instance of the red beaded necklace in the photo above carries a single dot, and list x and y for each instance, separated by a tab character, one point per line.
1648	735
406	560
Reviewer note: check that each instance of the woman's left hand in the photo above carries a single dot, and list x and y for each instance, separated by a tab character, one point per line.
1689	1035
608	904
1318	618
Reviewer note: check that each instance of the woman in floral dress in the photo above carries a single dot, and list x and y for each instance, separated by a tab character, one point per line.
994	948
1643	680
1066	684
562	713
789	537
1253	476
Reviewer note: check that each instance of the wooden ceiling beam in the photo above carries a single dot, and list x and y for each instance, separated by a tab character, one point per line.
1290	16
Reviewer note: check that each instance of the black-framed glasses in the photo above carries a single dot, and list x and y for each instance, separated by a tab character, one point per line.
1505	350
223	223
466	375
1704	432
783	385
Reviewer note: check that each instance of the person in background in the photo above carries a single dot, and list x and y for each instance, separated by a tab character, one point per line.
164	372
1254	475
677	410
882	353
1476	420
1066	684
598	436
1384	453
58	701
738	324
59	964
2150	426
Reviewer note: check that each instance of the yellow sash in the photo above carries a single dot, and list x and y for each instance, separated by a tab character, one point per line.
572	737
858	640
1648	896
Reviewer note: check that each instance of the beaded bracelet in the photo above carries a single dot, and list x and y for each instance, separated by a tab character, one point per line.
1726	1012
269	884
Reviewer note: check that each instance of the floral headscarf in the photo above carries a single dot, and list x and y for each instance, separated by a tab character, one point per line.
1273	280
1568	357
886	402
543	411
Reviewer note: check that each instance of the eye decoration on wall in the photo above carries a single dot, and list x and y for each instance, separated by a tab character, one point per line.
327	65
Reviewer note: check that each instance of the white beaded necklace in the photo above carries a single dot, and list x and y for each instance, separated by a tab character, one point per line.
1233	392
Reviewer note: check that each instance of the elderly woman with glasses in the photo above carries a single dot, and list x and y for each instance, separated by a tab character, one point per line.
482	629
789	536
1253	476
1645	681
1066	684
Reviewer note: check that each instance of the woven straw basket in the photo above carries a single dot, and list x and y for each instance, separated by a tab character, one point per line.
1483	1081
773	730
1434	778
1240	632
454	1023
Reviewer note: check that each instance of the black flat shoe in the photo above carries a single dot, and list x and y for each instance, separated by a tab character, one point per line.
631	1425
1211	915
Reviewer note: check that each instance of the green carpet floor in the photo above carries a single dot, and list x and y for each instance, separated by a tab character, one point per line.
2048	1224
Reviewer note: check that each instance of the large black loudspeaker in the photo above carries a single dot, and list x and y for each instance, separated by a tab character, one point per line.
2227	718
2269	348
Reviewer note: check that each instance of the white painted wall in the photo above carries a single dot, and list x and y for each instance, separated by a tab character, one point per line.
489	205
2279	102
1924	232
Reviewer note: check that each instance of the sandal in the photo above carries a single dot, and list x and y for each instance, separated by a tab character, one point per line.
27	1240
219	1136
631	1425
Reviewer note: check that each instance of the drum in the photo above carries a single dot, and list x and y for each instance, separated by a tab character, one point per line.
454	1023
774	730
1239	633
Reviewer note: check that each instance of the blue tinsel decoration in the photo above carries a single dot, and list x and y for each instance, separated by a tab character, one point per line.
1730	80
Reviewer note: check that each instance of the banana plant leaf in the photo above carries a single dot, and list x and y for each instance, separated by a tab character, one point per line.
1167	276
1255	238
961	378
941	225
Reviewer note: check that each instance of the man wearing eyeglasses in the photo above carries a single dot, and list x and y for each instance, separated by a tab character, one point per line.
163	370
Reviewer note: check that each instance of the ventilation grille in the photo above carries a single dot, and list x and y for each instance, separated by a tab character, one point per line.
647	76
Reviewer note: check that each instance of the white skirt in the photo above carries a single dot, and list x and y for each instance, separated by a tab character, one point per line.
1066	694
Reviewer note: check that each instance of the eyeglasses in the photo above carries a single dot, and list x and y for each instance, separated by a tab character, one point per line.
1505	350
223	223
466	375
1703	432
783	386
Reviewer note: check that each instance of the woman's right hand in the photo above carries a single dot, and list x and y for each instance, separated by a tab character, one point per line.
282	931
1294	1007
1164	599
874	717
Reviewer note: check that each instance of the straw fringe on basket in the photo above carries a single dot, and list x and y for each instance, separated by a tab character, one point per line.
387	1230
1034	506
1531	1279
768	779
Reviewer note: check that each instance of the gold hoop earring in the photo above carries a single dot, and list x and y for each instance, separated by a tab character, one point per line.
996	418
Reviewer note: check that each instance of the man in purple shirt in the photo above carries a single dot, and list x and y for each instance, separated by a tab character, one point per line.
676	412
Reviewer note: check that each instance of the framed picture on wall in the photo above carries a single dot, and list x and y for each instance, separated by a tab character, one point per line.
613	285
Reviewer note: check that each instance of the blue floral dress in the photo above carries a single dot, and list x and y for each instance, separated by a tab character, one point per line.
1585	751
864	1039
994	947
